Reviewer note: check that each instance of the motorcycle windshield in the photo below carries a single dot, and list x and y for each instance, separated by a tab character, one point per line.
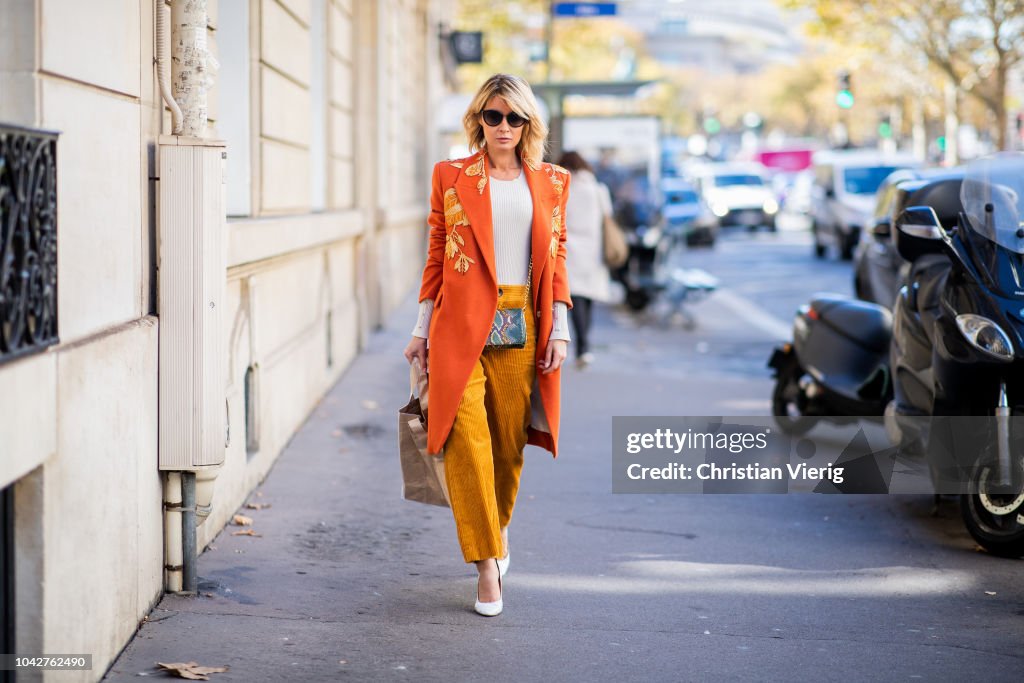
992	194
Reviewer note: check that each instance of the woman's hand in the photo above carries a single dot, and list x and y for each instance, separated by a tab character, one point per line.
417	348
554	356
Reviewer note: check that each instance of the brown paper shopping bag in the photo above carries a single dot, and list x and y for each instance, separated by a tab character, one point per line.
422	474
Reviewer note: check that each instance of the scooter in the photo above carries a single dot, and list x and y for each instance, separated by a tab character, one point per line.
836	367
958	347
955	347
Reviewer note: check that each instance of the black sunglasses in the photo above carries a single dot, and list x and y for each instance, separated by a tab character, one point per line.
493	117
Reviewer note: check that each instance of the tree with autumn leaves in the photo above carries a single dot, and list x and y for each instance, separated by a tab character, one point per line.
974	43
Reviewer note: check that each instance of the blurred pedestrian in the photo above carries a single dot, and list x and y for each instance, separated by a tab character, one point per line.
587	208
497	240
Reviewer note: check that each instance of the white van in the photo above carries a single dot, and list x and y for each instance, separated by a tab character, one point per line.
843	195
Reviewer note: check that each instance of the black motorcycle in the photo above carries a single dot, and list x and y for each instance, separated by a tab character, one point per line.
958	348
952	349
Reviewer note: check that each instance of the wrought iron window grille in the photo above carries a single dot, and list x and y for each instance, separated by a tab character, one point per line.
28	241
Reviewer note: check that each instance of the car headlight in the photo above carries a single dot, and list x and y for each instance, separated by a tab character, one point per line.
771	206
985	335
719	209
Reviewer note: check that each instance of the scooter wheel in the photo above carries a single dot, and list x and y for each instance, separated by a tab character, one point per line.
786	404
994	520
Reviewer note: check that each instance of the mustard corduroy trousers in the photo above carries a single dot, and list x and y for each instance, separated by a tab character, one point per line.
483	455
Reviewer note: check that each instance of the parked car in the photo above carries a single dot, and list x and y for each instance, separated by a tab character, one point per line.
879	271
876	270
738	194
843	196
686	211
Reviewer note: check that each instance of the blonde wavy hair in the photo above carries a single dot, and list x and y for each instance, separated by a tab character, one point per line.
517	93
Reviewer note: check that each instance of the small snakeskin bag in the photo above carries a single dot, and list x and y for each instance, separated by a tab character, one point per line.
508	331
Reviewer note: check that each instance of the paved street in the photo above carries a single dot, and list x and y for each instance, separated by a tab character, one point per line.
348	582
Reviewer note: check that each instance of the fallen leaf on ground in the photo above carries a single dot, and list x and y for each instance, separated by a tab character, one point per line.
990	592
370	404
246	532
241	520
192	670
336	433
257	506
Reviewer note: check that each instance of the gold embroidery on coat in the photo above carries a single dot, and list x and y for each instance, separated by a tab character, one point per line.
556	230
477	169
456	164
454	216
557	182
452	244
532	164
453	212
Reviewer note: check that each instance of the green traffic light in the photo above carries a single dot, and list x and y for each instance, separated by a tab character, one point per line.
884	130
844	98
712	126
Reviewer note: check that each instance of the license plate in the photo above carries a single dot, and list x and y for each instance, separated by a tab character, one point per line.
749	217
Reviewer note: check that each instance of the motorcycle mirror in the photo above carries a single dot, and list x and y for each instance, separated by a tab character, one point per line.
882	228
920	221
918	232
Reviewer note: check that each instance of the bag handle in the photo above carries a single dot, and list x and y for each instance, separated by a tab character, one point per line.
418	384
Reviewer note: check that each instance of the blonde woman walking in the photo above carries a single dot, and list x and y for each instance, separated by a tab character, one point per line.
493	324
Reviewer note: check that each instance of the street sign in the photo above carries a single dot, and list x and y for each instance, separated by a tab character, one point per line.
467	46
584	9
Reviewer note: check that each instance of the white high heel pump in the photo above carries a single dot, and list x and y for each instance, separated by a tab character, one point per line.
490	609
504	561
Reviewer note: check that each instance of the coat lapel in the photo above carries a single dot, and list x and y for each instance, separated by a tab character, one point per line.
545	199
474	190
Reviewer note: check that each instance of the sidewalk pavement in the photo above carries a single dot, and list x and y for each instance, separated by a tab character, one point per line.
350	582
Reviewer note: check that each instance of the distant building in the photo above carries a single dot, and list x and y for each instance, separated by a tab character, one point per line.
740	36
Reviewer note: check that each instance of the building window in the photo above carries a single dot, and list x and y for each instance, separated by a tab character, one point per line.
28	241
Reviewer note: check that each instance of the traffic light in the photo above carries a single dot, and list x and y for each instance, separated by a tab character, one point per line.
884	127
844	97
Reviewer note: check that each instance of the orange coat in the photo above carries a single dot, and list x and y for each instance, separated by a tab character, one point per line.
460	277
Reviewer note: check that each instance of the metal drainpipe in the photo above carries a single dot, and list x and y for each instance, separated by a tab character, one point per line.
191	75
161	66
172	532
188	531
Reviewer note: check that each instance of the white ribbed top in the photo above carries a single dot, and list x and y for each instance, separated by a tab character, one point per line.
511	216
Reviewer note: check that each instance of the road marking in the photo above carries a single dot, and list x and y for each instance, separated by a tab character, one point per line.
752	313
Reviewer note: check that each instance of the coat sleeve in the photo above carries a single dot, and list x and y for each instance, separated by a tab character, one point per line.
560	281
433	270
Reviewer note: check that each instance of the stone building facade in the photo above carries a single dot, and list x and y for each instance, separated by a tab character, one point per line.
326	107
